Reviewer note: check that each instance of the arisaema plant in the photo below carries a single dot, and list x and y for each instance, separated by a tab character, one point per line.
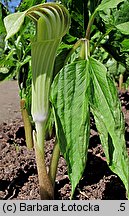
80	87
51	22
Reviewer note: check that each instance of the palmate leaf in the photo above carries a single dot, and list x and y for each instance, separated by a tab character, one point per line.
109	120
69	96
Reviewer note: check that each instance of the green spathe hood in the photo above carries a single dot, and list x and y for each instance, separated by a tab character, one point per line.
52	21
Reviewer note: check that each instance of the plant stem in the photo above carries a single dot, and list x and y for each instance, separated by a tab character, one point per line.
54	163
84	52
86	14
120	81
46	188
27	125
88	31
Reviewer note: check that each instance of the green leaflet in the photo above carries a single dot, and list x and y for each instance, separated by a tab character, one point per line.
123	28
109	120
69	96
106	4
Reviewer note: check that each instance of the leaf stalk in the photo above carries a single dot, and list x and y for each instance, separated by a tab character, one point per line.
27	125
54	163
84	52
88	31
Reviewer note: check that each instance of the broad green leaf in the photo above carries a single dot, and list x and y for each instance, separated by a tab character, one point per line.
123	28
109	120
106	4
69	96
13	23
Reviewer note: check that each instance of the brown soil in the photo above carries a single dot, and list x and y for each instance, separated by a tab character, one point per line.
18	171
9	101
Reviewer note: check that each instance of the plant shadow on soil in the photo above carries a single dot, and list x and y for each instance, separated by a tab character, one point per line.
18	171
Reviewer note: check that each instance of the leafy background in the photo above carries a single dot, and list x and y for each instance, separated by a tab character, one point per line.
109	46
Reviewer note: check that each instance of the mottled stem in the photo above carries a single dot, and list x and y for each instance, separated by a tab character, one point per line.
46	188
